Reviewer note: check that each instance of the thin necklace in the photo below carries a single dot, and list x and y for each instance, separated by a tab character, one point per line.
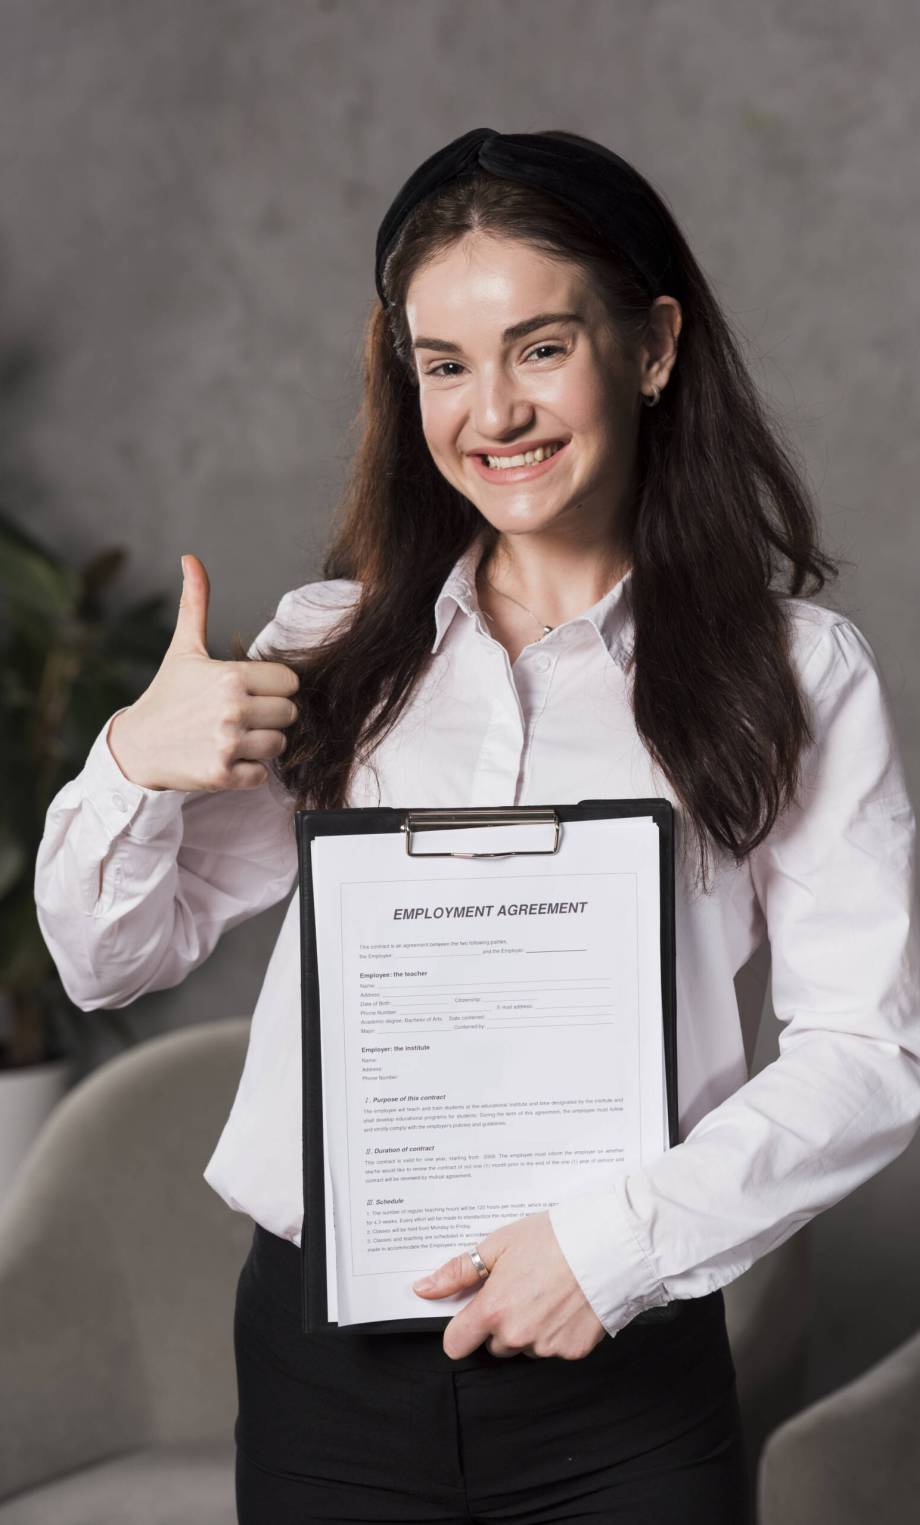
545	628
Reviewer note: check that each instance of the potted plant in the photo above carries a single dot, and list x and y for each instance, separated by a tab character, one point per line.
66	663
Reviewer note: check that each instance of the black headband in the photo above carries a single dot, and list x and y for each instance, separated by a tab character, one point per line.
583	174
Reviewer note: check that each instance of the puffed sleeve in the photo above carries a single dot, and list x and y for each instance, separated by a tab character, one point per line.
836	879
134	886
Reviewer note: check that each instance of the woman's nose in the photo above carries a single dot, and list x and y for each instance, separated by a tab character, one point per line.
500	407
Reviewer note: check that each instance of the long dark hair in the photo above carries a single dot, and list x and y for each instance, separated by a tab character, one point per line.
719	511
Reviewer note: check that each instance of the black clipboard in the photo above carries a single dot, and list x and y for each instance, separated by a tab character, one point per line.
309	824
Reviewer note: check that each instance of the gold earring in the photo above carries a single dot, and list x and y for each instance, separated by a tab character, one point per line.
651	402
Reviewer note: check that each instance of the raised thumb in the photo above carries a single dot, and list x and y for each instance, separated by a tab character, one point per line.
191	632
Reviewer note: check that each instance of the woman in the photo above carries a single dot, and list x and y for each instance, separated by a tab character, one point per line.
606	617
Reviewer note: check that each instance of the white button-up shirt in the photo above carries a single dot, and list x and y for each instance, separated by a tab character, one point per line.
134	887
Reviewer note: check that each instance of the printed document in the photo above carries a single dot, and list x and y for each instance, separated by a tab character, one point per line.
491	1035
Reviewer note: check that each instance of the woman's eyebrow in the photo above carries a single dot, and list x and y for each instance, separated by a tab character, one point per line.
516	331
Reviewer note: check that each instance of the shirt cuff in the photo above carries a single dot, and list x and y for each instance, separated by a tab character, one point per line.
605	1256
121	803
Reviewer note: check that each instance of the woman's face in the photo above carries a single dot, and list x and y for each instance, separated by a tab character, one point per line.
483	388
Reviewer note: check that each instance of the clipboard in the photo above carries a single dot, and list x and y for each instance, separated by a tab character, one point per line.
310	824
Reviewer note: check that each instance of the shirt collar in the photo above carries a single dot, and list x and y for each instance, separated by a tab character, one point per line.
610	617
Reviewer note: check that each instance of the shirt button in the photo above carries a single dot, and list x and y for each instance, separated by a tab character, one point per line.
542	663
119	801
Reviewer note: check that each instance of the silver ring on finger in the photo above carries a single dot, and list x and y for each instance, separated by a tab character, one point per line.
481	1268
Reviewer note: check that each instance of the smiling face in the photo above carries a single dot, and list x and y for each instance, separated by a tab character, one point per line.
487	386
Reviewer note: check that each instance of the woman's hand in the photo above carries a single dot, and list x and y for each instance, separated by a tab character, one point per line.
202	723
529	1303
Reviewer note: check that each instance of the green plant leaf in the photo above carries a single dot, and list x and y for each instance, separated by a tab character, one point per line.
34	585
66	664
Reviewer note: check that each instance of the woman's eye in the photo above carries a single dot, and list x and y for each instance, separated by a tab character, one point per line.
439	370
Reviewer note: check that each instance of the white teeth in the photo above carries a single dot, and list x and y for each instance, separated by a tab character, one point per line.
529	458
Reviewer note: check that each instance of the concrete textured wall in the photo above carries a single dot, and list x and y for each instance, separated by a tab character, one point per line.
189	193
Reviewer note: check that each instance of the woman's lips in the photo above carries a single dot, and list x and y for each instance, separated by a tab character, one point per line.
508	474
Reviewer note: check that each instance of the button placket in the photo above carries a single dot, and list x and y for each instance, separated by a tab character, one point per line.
533	682
499	758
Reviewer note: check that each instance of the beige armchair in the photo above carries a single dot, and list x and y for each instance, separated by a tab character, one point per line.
118	1271
852	1456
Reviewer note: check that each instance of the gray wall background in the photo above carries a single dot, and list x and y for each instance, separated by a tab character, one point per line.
189	194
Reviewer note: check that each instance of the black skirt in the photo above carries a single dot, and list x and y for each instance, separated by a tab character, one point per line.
351	1425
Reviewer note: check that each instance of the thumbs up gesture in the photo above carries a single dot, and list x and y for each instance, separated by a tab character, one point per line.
204	724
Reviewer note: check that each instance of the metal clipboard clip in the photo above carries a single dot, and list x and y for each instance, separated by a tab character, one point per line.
487	815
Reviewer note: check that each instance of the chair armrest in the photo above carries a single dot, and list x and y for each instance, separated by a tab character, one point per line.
851	1456
72	1389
